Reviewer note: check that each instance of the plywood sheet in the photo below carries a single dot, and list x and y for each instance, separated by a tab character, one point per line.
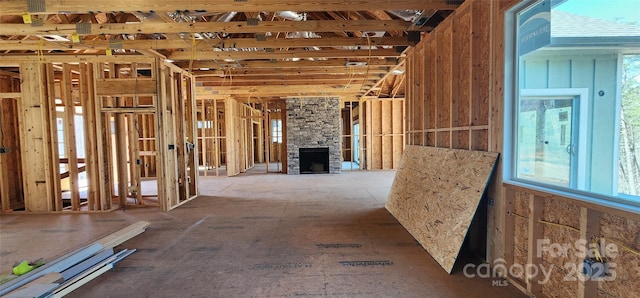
435	195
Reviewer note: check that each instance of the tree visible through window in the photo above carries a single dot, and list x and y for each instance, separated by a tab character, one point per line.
629	147
576	120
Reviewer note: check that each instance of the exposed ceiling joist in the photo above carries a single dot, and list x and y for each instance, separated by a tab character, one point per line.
317	64
238	72
275	90
149	44
199	27
293	54
83	6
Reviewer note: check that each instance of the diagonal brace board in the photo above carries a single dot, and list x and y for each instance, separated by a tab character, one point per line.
435	195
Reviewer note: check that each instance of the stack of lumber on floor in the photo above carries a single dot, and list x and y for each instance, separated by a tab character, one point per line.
67	273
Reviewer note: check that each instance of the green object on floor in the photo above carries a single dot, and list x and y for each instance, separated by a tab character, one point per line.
25	267
22	268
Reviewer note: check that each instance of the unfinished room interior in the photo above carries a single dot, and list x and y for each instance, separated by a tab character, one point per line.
285	148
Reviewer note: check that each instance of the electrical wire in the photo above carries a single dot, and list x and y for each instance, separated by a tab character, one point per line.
595	241
597	254
518	215
351	75
627	248
558	225
193	52
366	74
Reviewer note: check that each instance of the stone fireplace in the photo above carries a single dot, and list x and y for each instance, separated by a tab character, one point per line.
313	133
314	160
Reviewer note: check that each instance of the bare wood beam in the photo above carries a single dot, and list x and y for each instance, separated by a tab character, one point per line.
121	87
226	27
278	78
287	83
12	58
202	91
339	63
30	45
83	6
203	74
302	54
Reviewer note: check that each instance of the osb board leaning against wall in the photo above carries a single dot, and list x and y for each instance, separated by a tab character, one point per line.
435	195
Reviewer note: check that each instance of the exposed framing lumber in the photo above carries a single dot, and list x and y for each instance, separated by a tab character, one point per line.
589	229
70	136
102	141
78	6
57	58
286	54
339	63
236	43
126	87
225	27
34	138
167	176
536	232
50	100
206	75
89	117
204	92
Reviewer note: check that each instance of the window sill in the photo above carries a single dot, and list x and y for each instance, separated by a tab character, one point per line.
589	201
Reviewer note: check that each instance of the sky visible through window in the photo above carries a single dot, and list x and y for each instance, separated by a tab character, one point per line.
623	11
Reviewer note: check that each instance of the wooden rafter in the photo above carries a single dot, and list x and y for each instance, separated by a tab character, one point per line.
148	44
82	6
224	27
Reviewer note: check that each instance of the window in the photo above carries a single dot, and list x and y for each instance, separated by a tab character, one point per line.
276	130
574	74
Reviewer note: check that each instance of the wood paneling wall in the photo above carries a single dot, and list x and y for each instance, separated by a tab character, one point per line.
383	132
455	99
448	96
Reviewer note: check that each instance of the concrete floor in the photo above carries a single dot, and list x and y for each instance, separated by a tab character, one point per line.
256	235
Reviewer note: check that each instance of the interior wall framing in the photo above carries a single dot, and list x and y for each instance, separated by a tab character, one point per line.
456	100
11	187
97	120
243	124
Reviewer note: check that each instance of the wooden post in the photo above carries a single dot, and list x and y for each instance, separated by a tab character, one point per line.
191	135
229	112
103	170
180	137
70	135
34	135
134	156
168	160
88	117
267	133
216	141
203	136
52	142
509	227
536	232
589	227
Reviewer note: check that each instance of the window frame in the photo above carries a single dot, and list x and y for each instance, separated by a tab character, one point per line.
512	95
582	96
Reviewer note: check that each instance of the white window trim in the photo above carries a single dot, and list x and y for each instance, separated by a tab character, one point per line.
510	106
583	105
